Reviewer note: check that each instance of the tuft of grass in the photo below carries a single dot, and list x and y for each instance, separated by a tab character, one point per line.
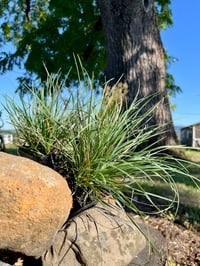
98	143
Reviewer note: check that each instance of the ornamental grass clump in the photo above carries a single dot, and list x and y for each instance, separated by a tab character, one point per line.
96	145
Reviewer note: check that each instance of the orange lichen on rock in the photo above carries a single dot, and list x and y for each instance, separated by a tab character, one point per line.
35	202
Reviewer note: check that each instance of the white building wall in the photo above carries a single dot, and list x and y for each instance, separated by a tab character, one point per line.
193	136
8	138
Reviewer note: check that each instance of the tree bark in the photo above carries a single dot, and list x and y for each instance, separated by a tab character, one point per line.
135	56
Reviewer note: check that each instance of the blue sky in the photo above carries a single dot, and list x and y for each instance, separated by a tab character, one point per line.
183	42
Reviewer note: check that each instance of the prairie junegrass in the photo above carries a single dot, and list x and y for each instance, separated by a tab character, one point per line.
99	142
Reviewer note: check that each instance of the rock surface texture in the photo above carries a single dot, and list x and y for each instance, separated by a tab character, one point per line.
154	255
35	202
101	235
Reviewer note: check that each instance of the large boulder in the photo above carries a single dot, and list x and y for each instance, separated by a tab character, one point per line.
35	202
100	235
155	251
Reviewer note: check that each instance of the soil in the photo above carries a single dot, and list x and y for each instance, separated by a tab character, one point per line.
182	240
183	245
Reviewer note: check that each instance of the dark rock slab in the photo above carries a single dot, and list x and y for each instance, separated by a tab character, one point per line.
101	235
155	251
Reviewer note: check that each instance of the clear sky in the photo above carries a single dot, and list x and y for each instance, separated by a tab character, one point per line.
183	42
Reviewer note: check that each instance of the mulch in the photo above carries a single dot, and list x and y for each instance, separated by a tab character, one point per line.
183	245
178	245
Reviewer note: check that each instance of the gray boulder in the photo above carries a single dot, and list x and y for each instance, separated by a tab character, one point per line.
102	235
155	251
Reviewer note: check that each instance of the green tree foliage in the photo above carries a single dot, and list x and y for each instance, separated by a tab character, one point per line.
164	13
170	81
50	31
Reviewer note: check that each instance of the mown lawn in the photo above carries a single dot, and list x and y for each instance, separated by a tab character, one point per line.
189	194
11	148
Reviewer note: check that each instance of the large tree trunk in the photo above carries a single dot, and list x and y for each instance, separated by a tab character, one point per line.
135	56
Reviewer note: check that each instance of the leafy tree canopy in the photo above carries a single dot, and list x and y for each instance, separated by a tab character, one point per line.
50	31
